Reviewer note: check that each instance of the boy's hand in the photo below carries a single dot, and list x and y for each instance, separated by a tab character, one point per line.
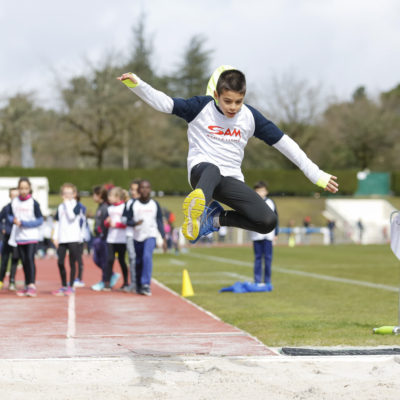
332	185
128	79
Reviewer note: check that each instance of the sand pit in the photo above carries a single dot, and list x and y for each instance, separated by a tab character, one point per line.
197	377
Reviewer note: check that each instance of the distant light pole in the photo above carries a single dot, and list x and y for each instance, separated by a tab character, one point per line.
27	160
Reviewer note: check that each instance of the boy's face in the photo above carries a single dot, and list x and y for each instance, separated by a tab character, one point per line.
113	198
134	190
68	193
145	190
229	102
262	192
24	189
14	193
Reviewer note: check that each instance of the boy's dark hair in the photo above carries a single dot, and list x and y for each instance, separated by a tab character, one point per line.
135	181
102	192
231	79
144	181
261	184
68	185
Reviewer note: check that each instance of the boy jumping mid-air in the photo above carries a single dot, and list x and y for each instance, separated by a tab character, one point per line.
219	127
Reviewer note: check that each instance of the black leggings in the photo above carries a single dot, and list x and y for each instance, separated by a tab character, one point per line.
250	210
73	250
6	251
27	256
120	249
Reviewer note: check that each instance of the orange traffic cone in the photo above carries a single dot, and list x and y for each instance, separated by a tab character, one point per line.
187	289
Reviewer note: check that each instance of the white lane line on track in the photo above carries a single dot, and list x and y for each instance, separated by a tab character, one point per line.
71	325
176	262
298	272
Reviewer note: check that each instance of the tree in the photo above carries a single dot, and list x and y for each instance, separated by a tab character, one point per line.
15	117
139	60
93	112
358	134
191	77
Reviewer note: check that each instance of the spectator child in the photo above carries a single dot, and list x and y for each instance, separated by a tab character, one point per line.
27	218
100	251
148	219
133	192
7	249
263	243
116	236
67	236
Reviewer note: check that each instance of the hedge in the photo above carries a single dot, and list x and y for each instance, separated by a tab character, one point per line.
169	180
174	180
293	182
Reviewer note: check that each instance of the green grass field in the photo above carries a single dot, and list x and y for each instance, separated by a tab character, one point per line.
289	208
301	310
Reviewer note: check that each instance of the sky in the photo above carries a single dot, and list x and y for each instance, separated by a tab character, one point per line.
339	44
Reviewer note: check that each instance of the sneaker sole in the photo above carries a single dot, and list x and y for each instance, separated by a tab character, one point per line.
193	208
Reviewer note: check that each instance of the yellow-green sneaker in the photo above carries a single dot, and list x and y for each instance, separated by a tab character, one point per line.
1	285
193	207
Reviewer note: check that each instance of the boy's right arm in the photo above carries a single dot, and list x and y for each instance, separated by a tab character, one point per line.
154	98
186	109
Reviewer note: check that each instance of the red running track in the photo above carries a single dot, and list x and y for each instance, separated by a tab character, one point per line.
104	324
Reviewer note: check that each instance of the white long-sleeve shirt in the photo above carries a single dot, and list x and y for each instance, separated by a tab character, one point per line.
67	227
116	234
220	140
28	212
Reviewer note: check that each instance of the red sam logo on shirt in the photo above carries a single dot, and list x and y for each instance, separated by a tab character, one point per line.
217	130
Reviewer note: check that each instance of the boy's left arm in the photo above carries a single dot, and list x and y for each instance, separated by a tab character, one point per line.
289	148
272	135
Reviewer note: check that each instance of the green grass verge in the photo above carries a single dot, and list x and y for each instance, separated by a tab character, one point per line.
289	208
300	311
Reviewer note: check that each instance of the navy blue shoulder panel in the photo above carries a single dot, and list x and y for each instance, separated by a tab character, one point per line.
189	109
265	129
36	209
